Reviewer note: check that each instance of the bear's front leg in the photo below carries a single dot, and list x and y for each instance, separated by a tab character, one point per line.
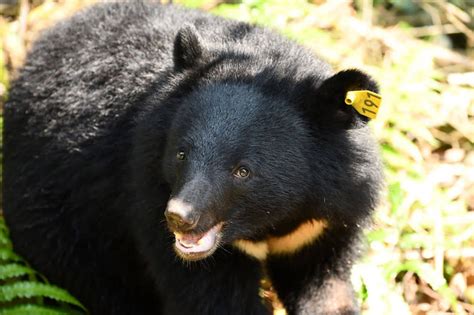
314	281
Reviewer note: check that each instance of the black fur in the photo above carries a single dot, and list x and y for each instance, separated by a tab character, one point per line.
92	127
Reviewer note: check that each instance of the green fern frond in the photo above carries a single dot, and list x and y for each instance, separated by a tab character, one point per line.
3	242
7	255
29	289
23	291
32	309
4	239
14	271
3	228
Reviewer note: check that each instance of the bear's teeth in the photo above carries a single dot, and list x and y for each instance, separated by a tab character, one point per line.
189	243
189	239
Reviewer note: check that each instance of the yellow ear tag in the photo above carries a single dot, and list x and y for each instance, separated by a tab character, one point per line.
365	102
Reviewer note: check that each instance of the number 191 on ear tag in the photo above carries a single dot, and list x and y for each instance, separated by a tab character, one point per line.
366	103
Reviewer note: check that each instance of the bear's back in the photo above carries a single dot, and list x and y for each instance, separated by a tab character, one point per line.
89	69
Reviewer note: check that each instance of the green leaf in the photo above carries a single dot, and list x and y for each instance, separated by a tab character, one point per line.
28	289
193	3
233	11
4	237
8	255
31	309
415	240
14	270
381	235
395	195
3	227
400	162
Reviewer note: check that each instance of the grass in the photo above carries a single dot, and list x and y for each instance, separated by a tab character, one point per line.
420	252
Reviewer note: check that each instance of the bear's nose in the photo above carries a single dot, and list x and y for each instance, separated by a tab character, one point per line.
180	223
180	215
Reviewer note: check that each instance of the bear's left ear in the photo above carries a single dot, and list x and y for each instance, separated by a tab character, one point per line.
328	106
188	47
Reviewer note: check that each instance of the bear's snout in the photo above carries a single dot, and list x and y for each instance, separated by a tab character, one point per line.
191	243
181	215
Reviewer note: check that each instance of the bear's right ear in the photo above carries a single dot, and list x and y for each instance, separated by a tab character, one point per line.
188	47
328	106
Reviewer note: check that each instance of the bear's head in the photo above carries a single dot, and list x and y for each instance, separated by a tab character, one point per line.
249	151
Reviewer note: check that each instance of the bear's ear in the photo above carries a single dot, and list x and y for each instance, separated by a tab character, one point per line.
188	47
328	106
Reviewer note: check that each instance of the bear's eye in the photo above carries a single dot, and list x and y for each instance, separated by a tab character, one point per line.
242	172
181	155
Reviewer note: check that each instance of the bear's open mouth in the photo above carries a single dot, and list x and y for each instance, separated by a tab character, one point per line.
191	246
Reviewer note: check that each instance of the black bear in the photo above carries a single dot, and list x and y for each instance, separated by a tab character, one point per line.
161	160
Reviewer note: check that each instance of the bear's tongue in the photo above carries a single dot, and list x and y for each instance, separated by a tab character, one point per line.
197	243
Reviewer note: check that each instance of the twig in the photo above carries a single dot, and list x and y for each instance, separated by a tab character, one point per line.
438	242
458	18
367	11
23	19
435	16
449	253
461	27
431	30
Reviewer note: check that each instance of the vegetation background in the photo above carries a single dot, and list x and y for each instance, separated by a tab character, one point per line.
419	255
